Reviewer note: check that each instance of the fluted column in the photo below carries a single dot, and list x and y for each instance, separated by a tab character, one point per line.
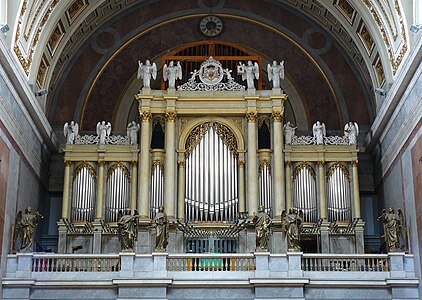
242	204
278	171
66	185
181	188
169	163
99	214
133	188
288	185
322	197
143	195
356	197
252	163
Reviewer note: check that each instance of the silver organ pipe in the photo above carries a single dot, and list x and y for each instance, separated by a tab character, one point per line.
157	187
83	193
338	193
211	188
117	195
265	186
304	191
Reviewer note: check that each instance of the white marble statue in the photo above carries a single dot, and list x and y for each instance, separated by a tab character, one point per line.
250	72
103	130
275	73
351	131
70	131
289	132
319	132
146	71
171	73
132	132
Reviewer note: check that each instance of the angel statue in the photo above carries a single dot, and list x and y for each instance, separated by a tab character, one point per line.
291	226
262	222
319	132
275	73
249	73
25	225
393	228
171	73
289	132
70	132
127	226
351	130
132	132
146	72
103	130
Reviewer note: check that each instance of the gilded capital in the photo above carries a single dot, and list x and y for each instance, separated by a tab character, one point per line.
241	162
67	163
134	163
321	163
144	115
354	163
252	116
171	116
288	163
278	115
181	163
101	163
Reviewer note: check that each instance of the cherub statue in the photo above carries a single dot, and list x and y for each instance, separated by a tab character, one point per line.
250	72
291	226
162	227
319	132
351	130
103	130
146	71
393	228
275	73
171	73
132	132
289	132
263	224
70	131
25	225
128	229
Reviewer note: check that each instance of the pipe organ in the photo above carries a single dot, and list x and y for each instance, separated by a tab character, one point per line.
118	191
304	191
157	184
83	193
338	193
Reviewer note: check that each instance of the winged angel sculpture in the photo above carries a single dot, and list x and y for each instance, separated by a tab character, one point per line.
275	73
393	228
351	130
146	71
70	131
25	225
291	226
171	73
249	73
319	132
103	130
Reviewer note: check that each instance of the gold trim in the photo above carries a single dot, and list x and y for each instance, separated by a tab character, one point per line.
338	165
252	116
118	165
67	163
82	165
181	163
158	163
278	115
321	163
288	163
354	163
304	165
262	120
144	115
241	162
262	164
101	163
134	163
170	116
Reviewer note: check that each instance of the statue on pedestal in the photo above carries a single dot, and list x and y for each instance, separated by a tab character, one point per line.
393	226
146	72
319	132
275	73
70	131
103	130
132	132
249	73
25	225
171	73
291	226
162	227
127	229
351	130
262	222
289	132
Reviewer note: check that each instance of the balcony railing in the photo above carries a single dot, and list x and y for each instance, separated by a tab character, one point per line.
75	263
211	262
345	263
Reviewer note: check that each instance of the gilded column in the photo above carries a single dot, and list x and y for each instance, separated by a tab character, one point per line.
356	197
242	204
181	188
143	194
134	181
100	191
169	163
288	185
322	198
252	163
278	171
66	186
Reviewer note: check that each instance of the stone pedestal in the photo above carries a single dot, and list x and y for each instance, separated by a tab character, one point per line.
262	267
160	264
294	260
126	264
